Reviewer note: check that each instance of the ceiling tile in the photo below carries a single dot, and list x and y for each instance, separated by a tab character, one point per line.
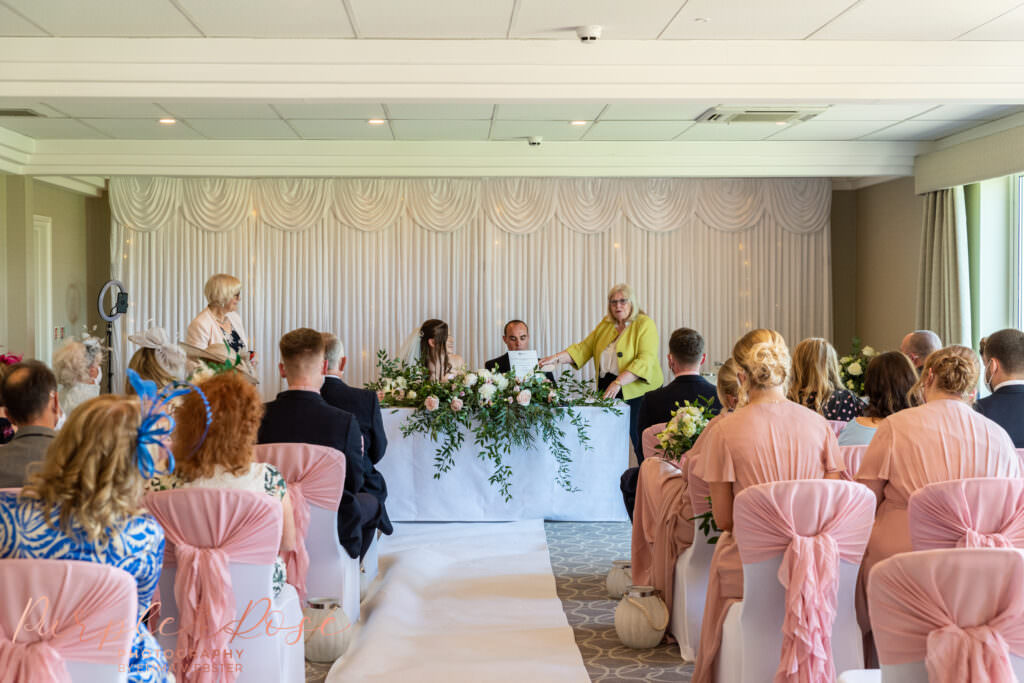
969	112
920	130
655	111
218	109
127	18
570	111
549	130
1010	26
34	105
434	110
143	129
340	129
418	19
107	109
54	129
243	129
636	130
829	130
621	20
873	112
270	18
729	131
737	19
12	24
440	129
933	20
329	110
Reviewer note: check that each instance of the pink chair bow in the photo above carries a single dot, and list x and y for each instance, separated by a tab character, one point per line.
315	476
968	513
813	524
56	611
961	611
649	440
205	529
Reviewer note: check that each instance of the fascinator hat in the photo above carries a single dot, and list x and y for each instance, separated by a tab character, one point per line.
157	424
168	354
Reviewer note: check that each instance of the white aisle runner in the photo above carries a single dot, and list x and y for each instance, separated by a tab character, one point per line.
463	602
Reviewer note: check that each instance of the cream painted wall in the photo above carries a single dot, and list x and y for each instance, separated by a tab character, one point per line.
888	256
71	298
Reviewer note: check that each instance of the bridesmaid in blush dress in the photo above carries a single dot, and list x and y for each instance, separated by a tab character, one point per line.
943	439
768	439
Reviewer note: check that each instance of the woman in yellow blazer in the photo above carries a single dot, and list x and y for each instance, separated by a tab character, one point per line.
624	346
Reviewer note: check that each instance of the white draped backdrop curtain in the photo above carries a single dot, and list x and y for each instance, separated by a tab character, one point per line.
370	259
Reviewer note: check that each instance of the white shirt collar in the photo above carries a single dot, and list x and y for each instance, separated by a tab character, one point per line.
1007	383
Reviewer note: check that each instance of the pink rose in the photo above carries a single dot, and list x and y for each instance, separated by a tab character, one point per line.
523	397
432	403
456	404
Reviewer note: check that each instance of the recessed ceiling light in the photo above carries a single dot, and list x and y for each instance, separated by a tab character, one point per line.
780	123
702	20
578	123
376	122
168	121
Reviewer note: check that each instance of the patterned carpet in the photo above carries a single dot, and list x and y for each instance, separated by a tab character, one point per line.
581	554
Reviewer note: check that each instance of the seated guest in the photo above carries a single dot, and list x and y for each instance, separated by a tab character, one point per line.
685	356
888	381
77	367
32	404
918	345
301	415
816	384
159	359
943	439
224	459
517	338
729	392
86	504
1003	356
363	404
768	439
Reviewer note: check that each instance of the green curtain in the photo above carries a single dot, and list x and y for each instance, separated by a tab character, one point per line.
972	210
944	302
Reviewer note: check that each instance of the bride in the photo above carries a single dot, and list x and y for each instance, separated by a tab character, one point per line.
434	348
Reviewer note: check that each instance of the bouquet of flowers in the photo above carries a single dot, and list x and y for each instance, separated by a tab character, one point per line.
687	422
500	410
853	367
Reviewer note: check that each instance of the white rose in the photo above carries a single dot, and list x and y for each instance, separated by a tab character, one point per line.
432	403
855	369
401	383
689	429
523	397
485	374
410	395
868	351
501	381
470	379
487	391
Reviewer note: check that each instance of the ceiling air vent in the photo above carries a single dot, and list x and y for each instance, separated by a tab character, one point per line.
788	114
19	113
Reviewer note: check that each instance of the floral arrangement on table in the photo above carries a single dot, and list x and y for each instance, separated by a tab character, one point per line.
686	424
853	367
500	411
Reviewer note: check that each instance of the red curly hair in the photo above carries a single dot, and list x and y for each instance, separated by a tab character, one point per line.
237	412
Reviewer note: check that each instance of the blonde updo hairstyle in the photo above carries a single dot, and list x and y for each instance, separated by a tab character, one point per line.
89	474
221	289
955	370
815	374
627	293
763	357
729	388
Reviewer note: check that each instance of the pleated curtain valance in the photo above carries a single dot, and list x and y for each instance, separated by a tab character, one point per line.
514	205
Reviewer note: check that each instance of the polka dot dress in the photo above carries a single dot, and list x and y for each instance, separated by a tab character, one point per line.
842	405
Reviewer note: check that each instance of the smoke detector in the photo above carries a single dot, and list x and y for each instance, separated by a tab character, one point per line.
588	34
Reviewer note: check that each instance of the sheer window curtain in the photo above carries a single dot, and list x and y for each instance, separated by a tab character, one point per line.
944	303
370	259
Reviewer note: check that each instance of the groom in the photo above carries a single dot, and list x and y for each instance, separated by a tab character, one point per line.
517	338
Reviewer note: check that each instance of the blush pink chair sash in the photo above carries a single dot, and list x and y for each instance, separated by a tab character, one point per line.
206	529
812	524
837	426
959	610
58	610
315	475
649	440
852	455
661	525
968	513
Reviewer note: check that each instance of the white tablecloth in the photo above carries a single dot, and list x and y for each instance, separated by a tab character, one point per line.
464	493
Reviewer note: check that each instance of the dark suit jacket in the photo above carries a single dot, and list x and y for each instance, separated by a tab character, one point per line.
501	364
363	404
657	405
1006	408
27	447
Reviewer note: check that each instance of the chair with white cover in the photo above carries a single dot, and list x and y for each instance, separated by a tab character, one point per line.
852	456
837	426
691	575
65	620
949	616
315	476
983	512
218	571
650	445
801	544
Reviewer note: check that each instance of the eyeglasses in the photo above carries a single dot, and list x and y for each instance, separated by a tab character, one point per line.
617	302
